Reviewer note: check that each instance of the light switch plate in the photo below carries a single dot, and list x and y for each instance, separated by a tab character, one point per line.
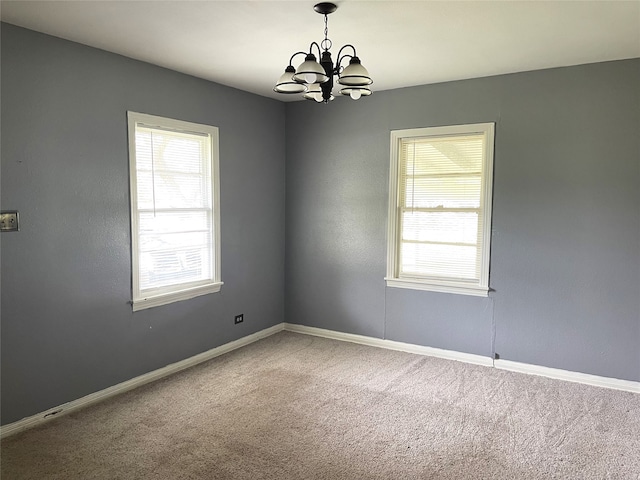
8	221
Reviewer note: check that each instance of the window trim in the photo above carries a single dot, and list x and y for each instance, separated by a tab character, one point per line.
170	294
480	288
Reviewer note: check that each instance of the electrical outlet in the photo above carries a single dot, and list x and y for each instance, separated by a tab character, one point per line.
9	222
239	319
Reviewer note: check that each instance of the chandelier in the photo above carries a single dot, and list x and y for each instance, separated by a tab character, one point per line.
315	80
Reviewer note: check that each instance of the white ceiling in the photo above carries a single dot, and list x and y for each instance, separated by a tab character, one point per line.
247	44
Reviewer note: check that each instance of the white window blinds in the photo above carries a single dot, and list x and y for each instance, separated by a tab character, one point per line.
441	209
174	210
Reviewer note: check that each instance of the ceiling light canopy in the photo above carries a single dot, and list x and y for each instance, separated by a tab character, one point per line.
315	79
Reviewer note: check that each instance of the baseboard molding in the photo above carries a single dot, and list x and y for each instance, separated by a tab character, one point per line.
555	373
29	422
569	376
594	380
391	345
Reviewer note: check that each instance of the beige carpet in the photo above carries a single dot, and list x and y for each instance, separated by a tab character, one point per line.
299	407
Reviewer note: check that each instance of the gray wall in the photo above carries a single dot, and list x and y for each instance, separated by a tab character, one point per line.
67	329
565	265
565	262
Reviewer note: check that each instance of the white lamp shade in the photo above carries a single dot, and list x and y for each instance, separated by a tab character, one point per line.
355	75
356	92
286	83
314	92
310	71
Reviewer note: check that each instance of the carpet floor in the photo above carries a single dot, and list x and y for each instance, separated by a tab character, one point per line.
293	406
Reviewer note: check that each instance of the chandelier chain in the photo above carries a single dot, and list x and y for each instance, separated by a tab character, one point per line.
326	26
326	43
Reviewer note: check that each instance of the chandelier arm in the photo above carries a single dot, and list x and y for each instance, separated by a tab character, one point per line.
318	47
341	57
339	61
293	56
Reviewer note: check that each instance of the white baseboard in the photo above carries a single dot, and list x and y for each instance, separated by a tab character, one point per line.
391	345
555	373
569	376
74	405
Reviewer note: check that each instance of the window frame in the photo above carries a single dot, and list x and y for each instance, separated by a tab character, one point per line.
431	283
172	293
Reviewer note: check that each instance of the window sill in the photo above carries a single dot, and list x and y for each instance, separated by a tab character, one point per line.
441	287
164	299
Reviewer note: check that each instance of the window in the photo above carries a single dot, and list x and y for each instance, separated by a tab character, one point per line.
175	215
440	209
